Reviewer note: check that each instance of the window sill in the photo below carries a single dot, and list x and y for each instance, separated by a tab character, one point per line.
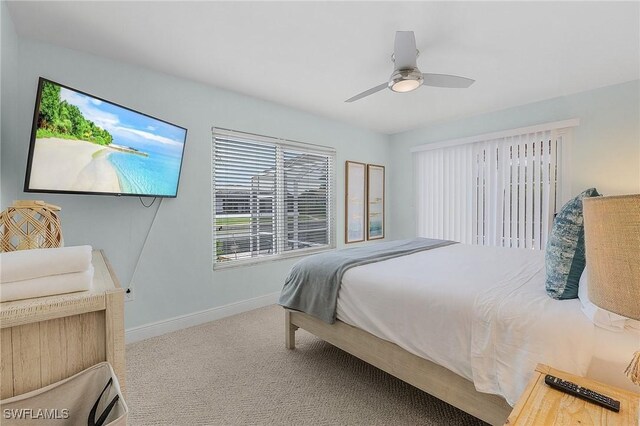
232	264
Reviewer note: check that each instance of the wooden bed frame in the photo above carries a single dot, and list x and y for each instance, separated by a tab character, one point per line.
419	372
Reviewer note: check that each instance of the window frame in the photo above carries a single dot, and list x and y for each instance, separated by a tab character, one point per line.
279	194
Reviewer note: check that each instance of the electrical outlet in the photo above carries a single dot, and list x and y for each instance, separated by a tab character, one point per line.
129	295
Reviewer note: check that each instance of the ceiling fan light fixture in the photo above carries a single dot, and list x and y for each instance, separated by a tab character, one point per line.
406	80
403	86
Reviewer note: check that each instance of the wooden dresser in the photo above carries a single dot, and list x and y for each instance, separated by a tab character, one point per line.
46	339
542	405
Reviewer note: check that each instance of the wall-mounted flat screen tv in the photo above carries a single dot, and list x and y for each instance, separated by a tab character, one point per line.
82	144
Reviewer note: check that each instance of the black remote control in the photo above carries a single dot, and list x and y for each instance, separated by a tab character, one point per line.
584	393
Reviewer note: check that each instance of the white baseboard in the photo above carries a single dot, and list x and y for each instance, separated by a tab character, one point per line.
157	328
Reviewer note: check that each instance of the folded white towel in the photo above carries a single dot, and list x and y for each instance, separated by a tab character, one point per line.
29	264
46	286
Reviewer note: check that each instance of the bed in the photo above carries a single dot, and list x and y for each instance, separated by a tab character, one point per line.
467	324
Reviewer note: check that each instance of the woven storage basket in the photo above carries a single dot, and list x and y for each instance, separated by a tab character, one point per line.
612	240
30	224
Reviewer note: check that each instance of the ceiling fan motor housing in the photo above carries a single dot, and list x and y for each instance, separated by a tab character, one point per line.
405	80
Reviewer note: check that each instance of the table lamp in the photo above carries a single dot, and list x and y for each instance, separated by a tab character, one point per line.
612	242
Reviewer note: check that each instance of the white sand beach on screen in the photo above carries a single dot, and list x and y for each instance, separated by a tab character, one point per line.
72	165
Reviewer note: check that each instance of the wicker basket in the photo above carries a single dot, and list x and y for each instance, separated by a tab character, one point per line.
30	224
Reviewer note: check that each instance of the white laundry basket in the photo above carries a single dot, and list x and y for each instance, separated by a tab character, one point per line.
78	400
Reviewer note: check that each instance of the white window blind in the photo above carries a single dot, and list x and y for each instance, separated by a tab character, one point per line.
272	197
502	191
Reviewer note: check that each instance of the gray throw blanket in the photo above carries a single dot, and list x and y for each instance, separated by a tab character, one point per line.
313	283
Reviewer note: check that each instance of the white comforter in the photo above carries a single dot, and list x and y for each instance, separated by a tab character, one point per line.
481	312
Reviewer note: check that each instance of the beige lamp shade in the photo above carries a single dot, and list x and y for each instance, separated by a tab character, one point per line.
612	242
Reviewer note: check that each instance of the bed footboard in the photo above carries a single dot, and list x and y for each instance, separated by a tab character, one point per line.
421	373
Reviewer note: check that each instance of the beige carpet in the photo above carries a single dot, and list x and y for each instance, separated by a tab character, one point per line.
236	371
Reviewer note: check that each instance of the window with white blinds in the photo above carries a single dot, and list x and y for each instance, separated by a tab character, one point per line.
272	197
500	191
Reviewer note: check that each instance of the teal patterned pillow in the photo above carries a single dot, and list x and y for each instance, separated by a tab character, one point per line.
565	257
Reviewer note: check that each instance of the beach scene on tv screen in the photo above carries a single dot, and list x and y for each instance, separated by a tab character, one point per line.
84	144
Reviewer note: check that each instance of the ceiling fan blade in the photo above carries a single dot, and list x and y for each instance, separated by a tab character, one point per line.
404	50
446	80
368	92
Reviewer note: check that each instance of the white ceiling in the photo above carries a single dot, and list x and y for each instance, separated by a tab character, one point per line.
314	55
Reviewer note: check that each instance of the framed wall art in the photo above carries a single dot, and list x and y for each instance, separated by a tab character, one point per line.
375	202
355	202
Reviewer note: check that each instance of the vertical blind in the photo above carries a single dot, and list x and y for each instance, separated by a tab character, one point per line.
271	196
498	192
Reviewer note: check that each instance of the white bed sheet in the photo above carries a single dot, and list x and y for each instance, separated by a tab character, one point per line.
481	312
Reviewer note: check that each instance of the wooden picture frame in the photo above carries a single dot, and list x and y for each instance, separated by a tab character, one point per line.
355	202
375	202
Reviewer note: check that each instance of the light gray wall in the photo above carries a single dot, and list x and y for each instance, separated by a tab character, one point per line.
8	90
175	274
605	154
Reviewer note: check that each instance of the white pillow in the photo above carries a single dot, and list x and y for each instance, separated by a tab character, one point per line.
601	317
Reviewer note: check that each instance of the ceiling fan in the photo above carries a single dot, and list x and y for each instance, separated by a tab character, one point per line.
406	76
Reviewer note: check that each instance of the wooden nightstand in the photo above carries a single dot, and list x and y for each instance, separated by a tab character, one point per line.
543	405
